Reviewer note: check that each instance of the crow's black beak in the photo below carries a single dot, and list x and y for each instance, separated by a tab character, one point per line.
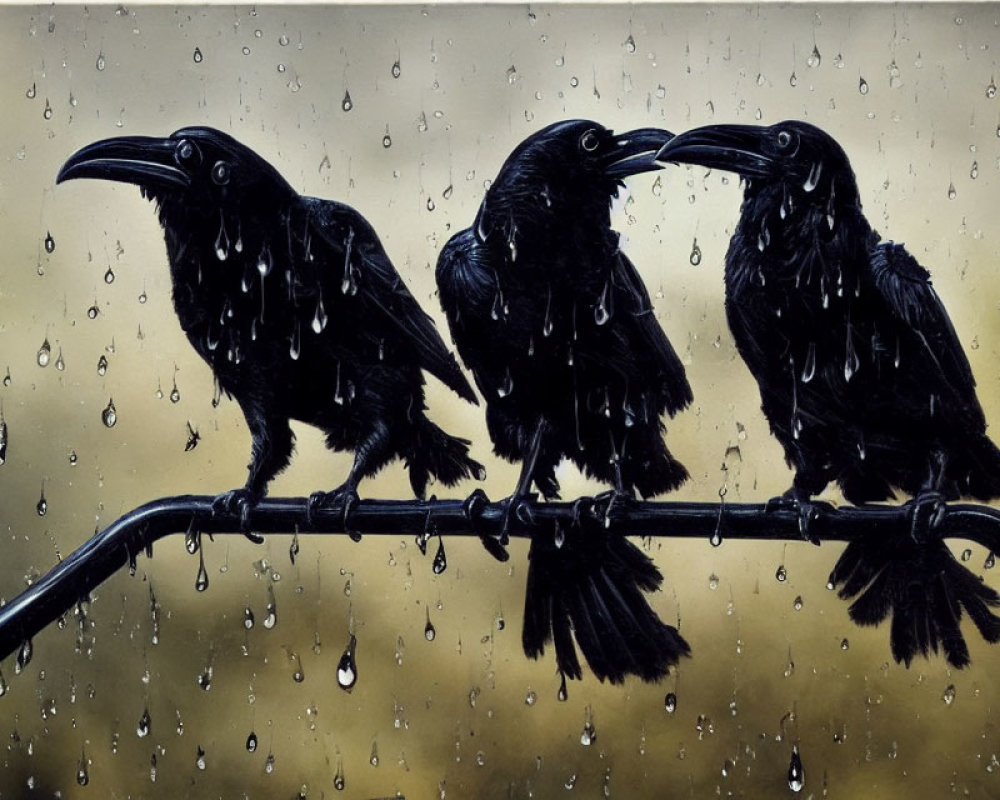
734	148
143	160
635	152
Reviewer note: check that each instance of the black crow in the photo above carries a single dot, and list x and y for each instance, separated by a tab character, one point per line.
558	330
861	374
296	307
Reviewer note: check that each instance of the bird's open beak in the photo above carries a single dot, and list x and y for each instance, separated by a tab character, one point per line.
734	148
144	160
635	152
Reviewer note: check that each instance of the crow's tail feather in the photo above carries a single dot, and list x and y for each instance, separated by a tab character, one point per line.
437	453
590	589
925	589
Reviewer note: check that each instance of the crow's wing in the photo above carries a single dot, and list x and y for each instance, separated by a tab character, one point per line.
906	290
355	244
647	337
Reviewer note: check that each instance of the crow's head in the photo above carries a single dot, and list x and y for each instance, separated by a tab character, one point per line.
198	167
805	160
569	165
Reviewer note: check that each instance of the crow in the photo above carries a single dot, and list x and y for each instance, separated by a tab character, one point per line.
861	375
295	306
558	330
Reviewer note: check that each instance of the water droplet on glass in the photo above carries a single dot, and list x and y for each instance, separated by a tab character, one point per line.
396	71
82	776
863	86
429	631
175	395
991	90
670	703
50	243
42	507
93	311
347	668
563	694
440	563
588	735
102	365
781	575
952	194
430	204
446	194
338	780
100	62
269	764
109	276
144	725
796	774
252	742
695	253
809	367
845	644
347	104
271	617
44	353
198	57
974	170
60	362
387	139
109	416
30	94
814	58
793	79
630	44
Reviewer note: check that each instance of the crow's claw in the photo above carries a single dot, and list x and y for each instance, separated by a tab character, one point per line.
808	511
613	501
584	506
240	500
474	505
927	511
345	496
473	508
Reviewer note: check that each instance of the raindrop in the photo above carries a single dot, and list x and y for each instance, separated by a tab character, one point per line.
338	780
222	240
387	139
201	581
814	172
320	318
605	305
102	366
851	360
430	204
989	563
974	170
283	40
30	94
82	776
844	644
396	71
588	735
796	774
50	243
175	395
109	275
44	353
630	44
446	194
252	742
814	57
563	694
670	703
966	554
109	416
793	80
299	675
42	506
93	311
781	575
347	668
507	386
429	631
809	367
205	678
271	618
373	758
797	605
863	86
295	346
198	56
695	253
269	764
23	656
347	104
144	725
100	62
952	194
949	694
200	760
3	440
440	563
991	90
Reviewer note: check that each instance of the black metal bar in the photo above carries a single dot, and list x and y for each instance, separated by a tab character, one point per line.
123	540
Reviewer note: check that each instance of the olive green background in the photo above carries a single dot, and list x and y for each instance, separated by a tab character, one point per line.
453	717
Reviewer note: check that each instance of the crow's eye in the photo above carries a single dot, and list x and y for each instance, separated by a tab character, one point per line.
784	139
186	153
590	141
220	173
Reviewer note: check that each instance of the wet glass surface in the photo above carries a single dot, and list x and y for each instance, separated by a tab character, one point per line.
358	667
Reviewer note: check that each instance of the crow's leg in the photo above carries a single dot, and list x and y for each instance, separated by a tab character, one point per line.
369	456
799	499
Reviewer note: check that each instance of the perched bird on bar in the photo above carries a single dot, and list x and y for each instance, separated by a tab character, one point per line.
295	306
861	375
558	330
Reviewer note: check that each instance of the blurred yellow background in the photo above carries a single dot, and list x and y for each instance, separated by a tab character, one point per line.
908	90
